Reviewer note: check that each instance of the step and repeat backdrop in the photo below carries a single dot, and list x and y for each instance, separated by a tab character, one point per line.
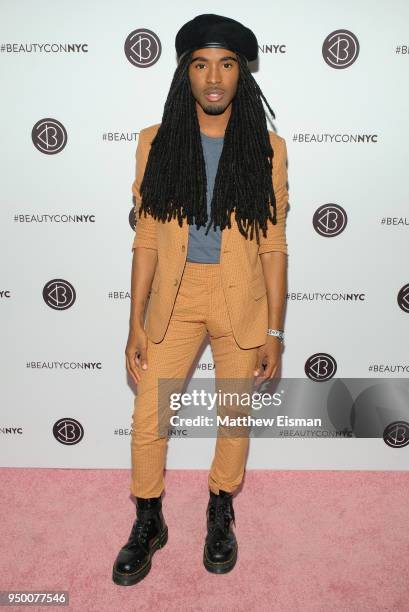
79	81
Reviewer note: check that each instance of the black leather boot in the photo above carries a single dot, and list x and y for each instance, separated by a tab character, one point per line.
220	550
149	532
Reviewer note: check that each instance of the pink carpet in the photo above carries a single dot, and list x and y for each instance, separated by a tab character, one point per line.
310	541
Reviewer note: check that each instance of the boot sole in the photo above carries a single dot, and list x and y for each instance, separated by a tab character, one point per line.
221	567
131	579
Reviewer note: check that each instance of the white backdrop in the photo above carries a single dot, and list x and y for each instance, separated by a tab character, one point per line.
66	212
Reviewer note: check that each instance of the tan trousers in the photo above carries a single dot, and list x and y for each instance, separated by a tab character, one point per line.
200	308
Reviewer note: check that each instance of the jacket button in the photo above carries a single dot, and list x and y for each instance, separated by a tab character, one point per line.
176	282
183	247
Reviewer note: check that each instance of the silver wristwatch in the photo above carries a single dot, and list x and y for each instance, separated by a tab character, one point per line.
276	332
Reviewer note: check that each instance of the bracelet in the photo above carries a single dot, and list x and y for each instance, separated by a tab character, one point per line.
279	333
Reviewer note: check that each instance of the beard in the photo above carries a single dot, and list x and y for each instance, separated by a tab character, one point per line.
214	110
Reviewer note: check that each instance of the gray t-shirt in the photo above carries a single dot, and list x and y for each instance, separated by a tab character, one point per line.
201	248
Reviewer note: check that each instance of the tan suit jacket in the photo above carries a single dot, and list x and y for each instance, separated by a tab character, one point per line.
241	269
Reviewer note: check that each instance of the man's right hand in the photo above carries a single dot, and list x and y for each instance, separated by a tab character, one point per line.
136	353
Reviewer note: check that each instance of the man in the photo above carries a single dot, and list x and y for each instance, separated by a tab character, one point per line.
210	246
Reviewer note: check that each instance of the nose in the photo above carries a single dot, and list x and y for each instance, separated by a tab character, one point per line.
213	74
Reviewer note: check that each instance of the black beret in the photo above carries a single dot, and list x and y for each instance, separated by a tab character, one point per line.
216	31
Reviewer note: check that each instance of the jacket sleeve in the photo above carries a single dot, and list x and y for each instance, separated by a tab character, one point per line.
275	239
145	227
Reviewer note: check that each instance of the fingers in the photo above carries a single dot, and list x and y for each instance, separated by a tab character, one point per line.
132	369
259	363
143	358
136	362
269	372
136	356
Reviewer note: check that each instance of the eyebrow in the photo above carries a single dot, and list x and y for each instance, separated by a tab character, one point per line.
206	59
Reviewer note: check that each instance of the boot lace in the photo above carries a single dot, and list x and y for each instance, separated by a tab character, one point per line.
140	529
220	516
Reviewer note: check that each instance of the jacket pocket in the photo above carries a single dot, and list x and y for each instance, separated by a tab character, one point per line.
258	286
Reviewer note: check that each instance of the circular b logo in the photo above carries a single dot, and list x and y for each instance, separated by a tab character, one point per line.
59	294
403	298
68	431
329	220
132	218
49	136
340	49
142	48
320	366
396	434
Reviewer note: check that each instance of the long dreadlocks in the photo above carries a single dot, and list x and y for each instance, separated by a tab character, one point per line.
174	182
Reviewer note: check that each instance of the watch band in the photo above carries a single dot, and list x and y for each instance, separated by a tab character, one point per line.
279	333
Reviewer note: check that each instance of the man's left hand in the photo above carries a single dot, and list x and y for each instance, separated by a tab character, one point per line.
268	355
